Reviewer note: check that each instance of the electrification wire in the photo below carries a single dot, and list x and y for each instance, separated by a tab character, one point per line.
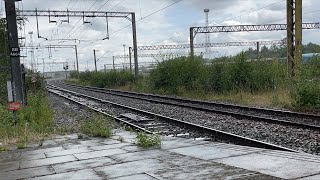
66	36
117	5
286	18
80	33
103	55
138	20
149	15
232	18
252	11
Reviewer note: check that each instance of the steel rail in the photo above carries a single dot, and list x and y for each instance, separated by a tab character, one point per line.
236	115
236	139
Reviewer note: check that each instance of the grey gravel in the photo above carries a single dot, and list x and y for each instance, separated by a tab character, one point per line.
291	137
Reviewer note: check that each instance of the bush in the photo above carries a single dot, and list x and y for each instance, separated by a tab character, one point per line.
39	85
97	126
307	90
31	123
145	140
106	79
307	95
181	73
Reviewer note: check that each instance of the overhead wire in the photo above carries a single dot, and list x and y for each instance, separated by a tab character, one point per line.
67	35
80	33
149	15
234	17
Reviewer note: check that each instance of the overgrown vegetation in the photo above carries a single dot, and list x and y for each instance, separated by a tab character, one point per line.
98	126
105	79
148	140
241	79
307	89
32	123
235	75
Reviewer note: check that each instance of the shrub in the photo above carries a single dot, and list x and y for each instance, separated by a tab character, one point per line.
181	73
145	140
106	79
97	126
31	123
307	95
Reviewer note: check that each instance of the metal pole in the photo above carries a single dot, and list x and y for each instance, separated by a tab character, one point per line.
298	35
135	45
191	43
95	60
113	62
290	38
11	15
258	49
130	54
77	60
124	55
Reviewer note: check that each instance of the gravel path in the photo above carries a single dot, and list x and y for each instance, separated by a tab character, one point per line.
290	137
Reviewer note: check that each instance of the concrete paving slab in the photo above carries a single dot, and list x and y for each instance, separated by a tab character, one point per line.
27	152
296	156
9	158
315	177
210	152
33	157
84	164
174	144
49	143
9	166
90	143
103	153
111	146
47	161
174	159
86	174
281	167
137	176
130	168
148	154
127	136
27	173
207	170
110	141
74	146
68	152
136	148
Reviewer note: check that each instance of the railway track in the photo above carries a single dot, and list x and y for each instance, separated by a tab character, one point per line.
303	120
155	123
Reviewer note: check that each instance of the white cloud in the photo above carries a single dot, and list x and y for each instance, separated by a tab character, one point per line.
170	26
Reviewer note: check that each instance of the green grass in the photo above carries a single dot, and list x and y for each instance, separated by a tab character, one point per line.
33	122
21	146
2	148
145	140
98	126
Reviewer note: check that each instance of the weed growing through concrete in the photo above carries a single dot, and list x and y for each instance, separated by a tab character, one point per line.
121	139
145	140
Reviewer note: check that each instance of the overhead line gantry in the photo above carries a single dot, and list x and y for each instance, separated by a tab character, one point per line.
87	14
294	48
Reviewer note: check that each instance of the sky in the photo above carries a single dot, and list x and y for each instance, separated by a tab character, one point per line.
158	22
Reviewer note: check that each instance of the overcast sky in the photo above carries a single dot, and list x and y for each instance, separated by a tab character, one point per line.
169	26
